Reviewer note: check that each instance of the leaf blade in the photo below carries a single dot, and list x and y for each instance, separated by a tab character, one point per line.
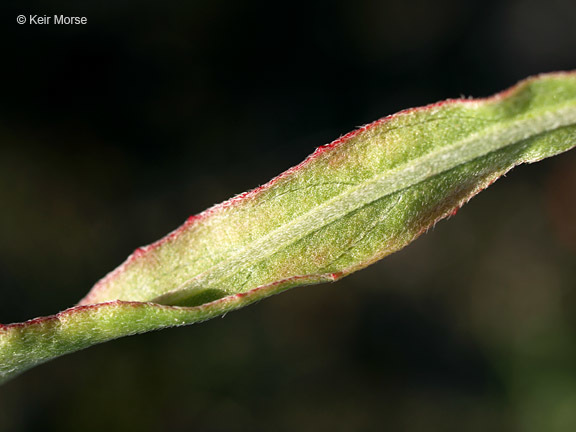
248	241
360	198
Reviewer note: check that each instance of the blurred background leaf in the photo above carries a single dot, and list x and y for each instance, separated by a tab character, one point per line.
110	135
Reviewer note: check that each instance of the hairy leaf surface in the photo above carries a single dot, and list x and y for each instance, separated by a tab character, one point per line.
350	203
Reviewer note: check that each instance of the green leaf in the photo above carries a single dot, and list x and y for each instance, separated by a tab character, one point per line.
350	203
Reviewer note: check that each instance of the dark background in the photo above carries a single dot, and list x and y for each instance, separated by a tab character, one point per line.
113	133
